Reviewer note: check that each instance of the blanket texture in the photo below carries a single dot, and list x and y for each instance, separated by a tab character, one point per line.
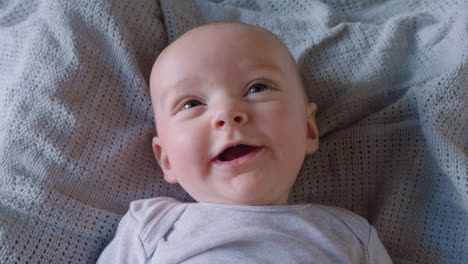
390	79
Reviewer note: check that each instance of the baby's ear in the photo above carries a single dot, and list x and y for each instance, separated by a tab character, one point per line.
163	160
312	130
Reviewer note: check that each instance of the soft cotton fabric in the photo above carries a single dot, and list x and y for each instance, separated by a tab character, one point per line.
163	230
390	79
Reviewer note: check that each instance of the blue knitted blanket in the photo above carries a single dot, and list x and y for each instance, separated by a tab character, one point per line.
390	79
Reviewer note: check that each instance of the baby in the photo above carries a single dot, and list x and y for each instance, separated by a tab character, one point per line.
233	128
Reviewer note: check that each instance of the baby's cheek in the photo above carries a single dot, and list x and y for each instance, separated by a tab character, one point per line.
289	128
287	118
189	143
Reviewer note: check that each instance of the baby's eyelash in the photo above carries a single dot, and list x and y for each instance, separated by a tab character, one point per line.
257	88
187	103
190	104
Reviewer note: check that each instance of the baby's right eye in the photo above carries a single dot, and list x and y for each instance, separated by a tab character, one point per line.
191	104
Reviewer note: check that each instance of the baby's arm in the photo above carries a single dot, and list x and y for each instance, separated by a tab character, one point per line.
126	247
365	232
376	250
141	229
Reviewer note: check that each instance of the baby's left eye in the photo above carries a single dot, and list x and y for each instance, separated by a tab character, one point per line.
258	87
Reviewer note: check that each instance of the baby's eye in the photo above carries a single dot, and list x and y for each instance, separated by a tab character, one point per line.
258	87
191	104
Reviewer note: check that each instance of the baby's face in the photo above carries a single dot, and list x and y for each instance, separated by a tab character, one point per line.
233	124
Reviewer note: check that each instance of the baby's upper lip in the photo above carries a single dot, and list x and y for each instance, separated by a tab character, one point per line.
233	144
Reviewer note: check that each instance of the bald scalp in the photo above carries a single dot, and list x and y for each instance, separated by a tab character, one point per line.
228	26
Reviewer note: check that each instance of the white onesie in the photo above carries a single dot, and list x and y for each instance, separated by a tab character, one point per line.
164	230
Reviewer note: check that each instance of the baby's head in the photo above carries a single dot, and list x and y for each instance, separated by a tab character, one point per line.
232	118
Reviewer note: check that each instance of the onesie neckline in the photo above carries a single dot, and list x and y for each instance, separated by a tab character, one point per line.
257	208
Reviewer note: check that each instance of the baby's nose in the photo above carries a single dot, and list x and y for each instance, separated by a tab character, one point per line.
231	119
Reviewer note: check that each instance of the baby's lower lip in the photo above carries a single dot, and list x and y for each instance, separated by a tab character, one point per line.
239	161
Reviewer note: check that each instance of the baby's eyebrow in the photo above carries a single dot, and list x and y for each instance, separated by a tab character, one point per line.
176	87
268	67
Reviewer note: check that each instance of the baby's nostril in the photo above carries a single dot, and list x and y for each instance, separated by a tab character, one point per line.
220	123
237	119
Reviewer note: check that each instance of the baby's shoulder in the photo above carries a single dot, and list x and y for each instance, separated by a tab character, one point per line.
148	209
340	213
352	221
138	206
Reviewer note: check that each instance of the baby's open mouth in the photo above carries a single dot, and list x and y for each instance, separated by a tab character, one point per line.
236	152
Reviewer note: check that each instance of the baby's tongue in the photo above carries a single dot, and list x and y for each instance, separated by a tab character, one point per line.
237	152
